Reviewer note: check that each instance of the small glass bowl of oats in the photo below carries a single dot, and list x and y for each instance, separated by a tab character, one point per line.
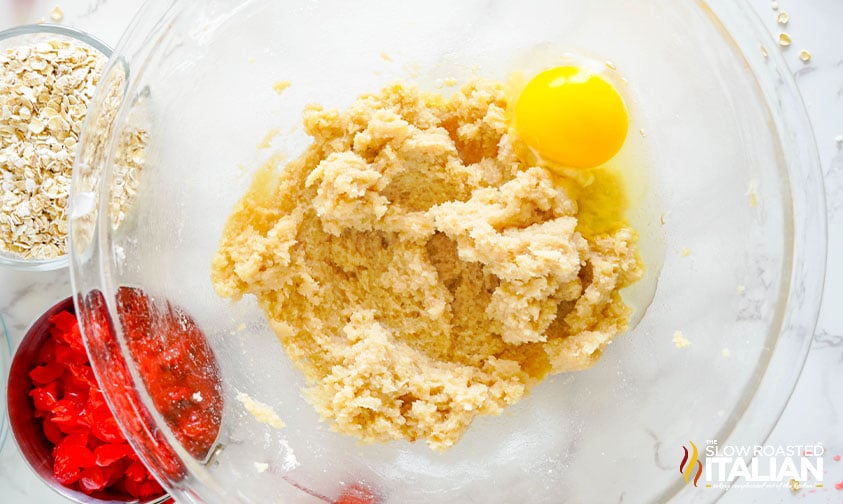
48	75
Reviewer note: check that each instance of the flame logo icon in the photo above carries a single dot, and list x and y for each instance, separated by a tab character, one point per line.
689	463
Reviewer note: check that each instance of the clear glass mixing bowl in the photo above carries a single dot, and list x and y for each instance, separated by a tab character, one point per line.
730	214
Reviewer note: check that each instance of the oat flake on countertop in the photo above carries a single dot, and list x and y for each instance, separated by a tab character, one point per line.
56	14
784	39
805	56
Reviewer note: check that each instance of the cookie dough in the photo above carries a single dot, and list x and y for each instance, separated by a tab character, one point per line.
417	271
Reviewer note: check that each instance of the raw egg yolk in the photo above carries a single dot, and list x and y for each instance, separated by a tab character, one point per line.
571	117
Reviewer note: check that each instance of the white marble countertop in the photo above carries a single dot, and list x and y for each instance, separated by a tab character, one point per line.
815	411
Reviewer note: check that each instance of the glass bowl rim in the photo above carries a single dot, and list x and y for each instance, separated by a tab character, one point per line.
5	363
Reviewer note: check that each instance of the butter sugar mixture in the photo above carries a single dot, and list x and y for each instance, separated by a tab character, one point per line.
417	271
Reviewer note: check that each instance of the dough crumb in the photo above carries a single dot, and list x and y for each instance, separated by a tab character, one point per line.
752	192
280	86
266	142
263	413
417	271
679	340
